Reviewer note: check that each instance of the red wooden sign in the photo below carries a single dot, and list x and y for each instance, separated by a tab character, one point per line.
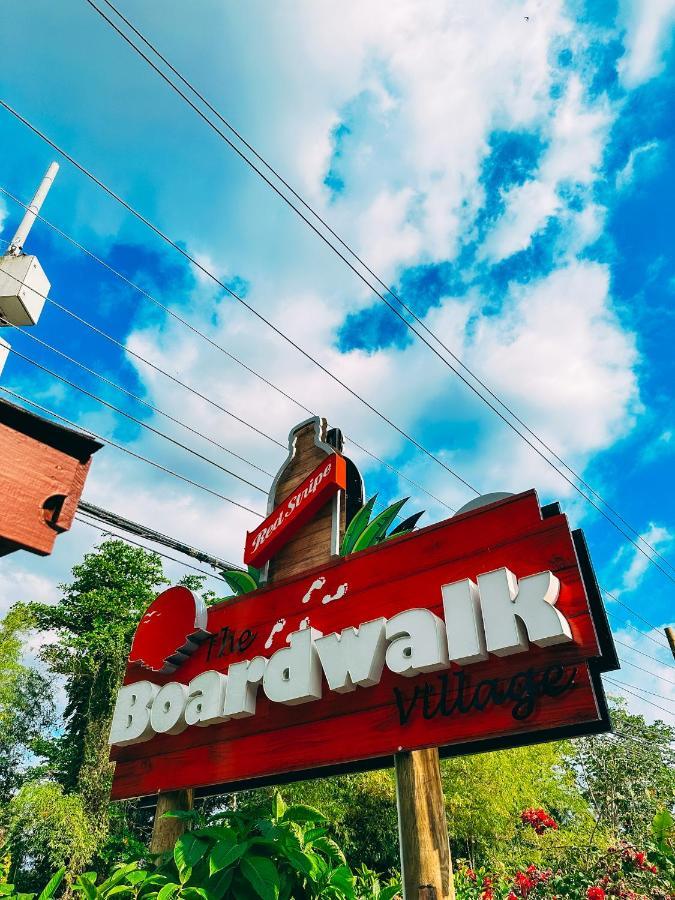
483	631
298	508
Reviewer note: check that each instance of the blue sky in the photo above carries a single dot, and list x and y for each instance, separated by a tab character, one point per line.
508	170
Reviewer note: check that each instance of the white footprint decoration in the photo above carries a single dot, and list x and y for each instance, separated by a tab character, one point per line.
304	624
315	586
338	595
276	628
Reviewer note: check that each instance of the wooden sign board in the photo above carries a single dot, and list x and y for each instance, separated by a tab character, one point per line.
453	662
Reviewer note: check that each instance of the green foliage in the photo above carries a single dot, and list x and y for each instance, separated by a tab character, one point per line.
241	582
362	533
239	856
46	830
624	780
485	794
26	705
94	621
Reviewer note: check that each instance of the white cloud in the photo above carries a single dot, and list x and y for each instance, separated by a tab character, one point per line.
528	208
635	562
649	32
626	175
18	585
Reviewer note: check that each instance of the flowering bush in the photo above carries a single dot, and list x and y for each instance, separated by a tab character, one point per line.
622	872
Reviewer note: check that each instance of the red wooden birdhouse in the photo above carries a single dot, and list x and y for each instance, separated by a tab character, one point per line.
43	467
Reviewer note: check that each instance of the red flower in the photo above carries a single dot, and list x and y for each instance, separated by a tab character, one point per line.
470	874
595	893
538	819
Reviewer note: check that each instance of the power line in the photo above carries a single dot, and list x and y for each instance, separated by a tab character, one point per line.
359	274
201	334
625	662
631	610
641	689
128	540
138	456
108	517
625	624
642	653
140	422
234	294
644	700
145	403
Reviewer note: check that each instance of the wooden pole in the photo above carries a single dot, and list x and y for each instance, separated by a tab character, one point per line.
165	832
426	867
670	634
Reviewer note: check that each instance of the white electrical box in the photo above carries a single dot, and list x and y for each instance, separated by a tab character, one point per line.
23	287
4	353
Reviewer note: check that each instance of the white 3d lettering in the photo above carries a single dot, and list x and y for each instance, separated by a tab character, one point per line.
498	615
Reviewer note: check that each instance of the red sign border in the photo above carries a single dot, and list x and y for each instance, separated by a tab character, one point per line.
606	661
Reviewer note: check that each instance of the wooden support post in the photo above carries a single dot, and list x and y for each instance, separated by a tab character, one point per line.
426	867
165	832
670	634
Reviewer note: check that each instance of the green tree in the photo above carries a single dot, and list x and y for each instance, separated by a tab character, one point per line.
94	621
626	778
26	705
486	793
46	829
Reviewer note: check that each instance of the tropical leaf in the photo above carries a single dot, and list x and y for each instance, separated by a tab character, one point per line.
224	854
167	892
300	814
262	875
343	879
188	851
406	525
389	892
377	529
86	886
356	526
663	828
240	582
255	574
219	884
52	885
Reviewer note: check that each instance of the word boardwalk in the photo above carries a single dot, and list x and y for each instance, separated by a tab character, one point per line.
499	615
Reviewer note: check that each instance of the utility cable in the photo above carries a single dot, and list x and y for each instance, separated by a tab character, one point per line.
205	337
122	537
644	700
111	518
306	354
234	294
624	624
154	366
642	653
141	400
642	690
137	421
126	450
631	610
353	254
625	662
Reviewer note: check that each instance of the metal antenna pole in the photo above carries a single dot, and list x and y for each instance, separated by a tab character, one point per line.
24	228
